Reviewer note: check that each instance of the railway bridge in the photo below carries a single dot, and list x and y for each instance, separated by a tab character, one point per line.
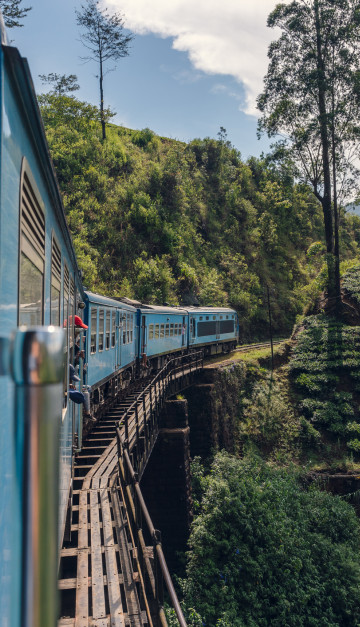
113	571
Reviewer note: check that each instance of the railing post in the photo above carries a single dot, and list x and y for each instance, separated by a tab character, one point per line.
37	360
159	581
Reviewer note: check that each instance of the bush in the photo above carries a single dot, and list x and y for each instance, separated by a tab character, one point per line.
264	551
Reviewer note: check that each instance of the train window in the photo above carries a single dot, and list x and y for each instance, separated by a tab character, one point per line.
207	318
227	317
123	319
162	330
113	329
55	283
131	328
101	330
156	331
32	254
221	317
171	329
107	328
128	328
201	318
167	329
214	317
93	330
151	331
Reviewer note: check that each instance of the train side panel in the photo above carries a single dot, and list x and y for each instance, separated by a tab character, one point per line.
31	219
214	329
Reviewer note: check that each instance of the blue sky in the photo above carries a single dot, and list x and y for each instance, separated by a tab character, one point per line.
193	66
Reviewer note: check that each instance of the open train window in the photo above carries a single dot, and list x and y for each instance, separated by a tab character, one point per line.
113	329
93	330
167	329
171	329
131	327
101	330
107	327
162	330
156	331
55	286
207	318
151	331
32	252
128	328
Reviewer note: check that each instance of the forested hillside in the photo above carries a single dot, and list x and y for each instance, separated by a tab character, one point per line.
163	221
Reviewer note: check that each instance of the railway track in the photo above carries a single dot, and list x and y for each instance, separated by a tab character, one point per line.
243	348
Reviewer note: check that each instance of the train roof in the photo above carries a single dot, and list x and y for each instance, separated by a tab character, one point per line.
163	309
107	302
210	310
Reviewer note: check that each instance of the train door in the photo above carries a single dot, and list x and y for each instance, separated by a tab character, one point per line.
183	330
143	335
192	330
118	336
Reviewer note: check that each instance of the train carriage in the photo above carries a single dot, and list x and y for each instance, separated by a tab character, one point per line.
215	329
163	330
111	346
40	285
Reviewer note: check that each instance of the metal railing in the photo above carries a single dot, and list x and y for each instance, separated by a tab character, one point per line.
136	434
140	421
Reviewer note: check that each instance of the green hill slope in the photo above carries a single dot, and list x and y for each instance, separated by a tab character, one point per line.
164	221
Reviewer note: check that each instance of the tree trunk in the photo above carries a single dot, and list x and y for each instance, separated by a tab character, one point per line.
102	117
326	201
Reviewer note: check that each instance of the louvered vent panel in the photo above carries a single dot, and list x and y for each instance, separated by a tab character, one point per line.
56	261
66	281
72	289
32	218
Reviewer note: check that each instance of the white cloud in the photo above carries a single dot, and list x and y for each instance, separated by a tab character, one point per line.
227	37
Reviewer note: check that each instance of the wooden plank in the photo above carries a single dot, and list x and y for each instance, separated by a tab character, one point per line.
116	608
98	594
82	595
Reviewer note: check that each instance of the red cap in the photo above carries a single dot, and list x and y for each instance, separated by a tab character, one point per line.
79	323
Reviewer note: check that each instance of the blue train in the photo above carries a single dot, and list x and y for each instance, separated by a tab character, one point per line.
65	353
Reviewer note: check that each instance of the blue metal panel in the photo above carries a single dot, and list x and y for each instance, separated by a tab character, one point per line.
165	330
104	362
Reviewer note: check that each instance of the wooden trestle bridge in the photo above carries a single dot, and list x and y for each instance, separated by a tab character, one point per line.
113	572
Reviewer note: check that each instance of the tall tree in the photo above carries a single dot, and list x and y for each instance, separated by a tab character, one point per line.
12	12
103	35
312	98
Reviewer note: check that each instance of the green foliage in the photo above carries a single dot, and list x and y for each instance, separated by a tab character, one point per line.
324	362
160	220
266	551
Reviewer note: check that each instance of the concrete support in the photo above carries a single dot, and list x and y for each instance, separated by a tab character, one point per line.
166	482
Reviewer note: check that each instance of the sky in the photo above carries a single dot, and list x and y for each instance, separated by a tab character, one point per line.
194	65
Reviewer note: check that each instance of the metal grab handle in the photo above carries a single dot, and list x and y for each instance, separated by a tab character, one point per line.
36	361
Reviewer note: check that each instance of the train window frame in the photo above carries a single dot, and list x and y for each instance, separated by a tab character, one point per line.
167	329
162	330
107	329
93	330
32	242
171	329
151	331
101	326
157	331
200	318
113	328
